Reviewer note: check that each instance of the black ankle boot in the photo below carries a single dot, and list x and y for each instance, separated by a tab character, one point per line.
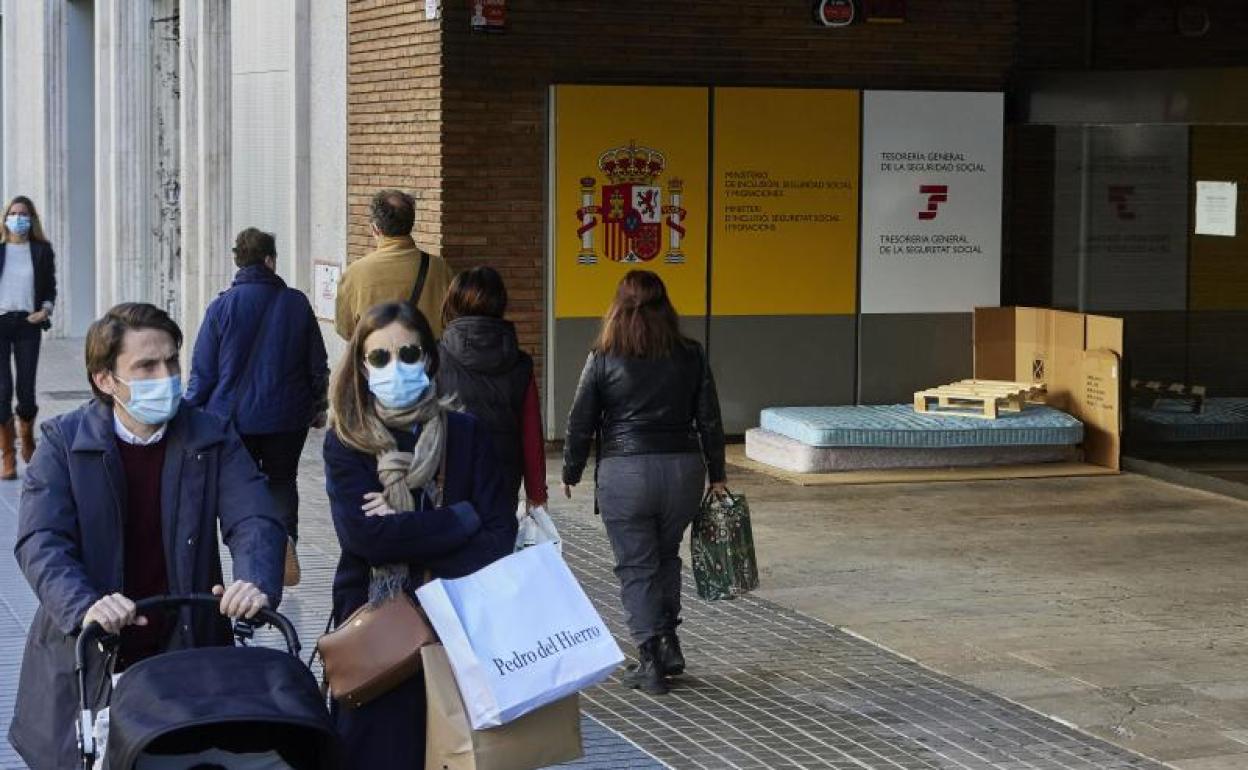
647	675
670	657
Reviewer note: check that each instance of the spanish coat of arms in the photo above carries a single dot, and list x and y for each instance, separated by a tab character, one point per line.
632	212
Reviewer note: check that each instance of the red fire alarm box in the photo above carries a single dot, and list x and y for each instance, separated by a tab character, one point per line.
834	13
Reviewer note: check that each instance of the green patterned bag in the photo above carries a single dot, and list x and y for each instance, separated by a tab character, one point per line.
723	548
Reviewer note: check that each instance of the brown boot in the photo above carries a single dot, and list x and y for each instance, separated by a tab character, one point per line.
8	452
26	434
293	574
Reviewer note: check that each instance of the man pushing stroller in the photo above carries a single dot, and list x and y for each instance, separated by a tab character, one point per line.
122	502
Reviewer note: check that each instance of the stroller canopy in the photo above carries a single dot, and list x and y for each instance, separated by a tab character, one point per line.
241	699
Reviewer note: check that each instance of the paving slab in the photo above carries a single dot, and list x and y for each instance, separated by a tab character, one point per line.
768	686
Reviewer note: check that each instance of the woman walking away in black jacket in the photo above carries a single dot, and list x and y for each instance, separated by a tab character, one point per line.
27	296
485	369
647	394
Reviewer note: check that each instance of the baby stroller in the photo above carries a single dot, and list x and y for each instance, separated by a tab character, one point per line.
210	707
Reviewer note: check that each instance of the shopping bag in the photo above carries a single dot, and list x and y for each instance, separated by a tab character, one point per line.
520	634
722	546
535	527
550	735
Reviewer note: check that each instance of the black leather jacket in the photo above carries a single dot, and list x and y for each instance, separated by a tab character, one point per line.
645	406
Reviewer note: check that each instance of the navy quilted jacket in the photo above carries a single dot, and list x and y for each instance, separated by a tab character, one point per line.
286	387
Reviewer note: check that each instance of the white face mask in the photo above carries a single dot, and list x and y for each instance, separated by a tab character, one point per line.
153	402
398	385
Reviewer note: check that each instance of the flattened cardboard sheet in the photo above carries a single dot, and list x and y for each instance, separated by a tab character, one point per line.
1078	358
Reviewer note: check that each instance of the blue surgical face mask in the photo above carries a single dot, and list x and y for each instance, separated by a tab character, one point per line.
154	402
18	224
398	385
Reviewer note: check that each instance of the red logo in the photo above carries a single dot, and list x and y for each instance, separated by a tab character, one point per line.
1120	195
936	195
835	13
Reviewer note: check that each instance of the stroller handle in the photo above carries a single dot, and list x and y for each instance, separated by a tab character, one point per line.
93	631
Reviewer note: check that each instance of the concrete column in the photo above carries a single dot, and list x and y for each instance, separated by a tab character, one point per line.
35	127
165	276
138	184
124	178
205	153
327	125
300	249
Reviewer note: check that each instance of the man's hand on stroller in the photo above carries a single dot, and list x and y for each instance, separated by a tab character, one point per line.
241	599
113	612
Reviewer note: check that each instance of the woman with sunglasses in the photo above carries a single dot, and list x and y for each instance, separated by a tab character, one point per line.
27	296
414	489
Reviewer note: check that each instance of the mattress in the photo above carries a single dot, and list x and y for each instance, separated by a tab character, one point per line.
782	452
1223	419
898	426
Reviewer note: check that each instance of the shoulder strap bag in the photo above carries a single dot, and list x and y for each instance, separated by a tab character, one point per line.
421	275
377	648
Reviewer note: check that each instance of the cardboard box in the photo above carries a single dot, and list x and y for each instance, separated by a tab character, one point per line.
1077	356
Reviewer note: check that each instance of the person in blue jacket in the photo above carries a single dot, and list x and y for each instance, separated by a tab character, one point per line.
414	488
122	501
260	361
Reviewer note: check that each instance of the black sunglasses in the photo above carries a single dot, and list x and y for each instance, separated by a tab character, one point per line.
380	357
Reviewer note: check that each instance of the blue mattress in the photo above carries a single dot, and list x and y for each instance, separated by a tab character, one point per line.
899	426
1223	419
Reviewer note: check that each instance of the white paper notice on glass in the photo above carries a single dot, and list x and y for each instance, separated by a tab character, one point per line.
1216	208
325	289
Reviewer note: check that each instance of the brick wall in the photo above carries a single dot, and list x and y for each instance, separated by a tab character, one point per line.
394	76
1130	34
1052	34
1142	34
494	151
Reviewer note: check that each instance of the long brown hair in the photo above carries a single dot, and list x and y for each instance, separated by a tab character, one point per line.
350	400
36	224
641	322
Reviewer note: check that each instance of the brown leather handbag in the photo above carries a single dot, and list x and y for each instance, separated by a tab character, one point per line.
374	650
377	648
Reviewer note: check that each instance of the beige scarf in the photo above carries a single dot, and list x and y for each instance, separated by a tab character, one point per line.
402	473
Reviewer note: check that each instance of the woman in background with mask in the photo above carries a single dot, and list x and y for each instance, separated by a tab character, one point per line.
27	296
414	489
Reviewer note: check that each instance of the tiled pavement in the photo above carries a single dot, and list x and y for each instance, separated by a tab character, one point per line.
766	687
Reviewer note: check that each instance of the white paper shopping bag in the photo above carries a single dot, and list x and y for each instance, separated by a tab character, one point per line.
520	634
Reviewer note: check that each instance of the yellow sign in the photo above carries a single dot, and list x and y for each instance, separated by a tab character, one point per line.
786	202
630	167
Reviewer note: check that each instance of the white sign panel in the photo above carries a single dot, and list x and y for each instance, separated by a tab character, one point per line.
931	201
325	289
1215	208
1120	218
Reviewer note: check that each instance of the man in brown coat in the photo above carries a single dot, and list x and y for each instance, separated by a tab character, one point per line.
390	272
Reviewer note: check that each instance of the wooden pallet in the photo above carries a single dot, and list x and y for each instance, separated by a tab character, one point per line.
978	398
1153	392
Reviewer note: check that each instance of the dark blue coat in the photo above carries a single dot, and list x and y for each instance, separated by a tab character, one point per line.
289	377
475	528
69	547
